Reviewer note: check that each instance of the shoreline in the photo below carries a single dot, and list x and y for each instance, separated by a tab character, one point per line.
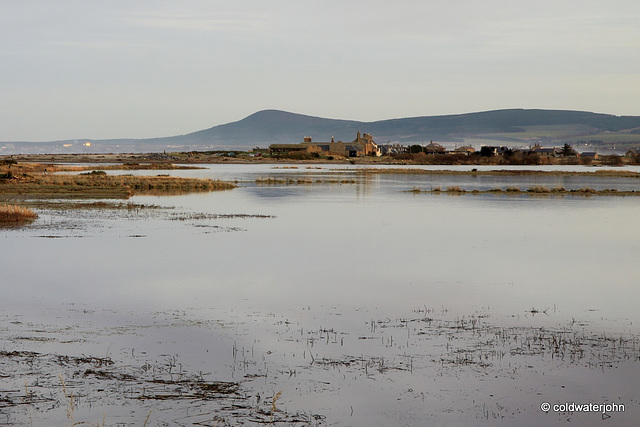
194	158
38	180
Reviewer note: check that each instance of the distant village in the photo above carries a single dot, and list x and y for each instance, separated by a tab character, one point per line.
364	145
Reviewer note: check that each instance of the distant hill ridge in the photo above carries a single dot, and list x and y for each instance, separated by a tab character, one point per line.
509	126
275	126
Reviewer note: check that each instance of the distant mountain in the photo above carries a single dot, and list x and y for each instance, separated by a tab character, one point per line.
273	126
515	126
507	127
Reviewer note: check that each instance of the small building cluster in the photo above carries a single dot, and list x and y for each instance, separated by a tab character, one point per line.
364	145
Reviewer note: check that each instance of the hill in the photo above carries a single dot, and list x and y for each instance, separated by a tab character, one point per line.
514	127
508	127
519	125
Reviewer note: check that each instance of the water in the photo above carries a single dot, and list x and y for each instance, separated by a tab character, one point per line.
318	286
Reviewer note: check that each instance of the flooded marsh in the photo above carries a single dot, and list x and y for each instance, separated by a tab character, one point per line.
351	301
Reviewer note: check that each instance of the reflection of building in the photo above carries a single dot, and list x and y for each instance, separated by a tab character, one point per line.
363	145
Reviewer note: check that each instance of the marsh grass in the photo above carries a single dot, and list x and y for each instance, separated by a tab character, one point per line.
15	215
455	189
537	190
499	172
301	181
207	216
106	186
142	166
146	389
23	167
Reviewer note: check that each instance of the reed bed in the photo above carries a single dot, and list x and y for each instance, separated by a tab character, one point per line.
105	186
532	191
301	181
14	215
142	166
538	189
416	171
75	204
21	168
455	189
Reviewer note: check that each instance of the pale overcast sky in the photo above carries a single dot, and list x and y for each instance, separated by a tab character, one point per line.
111	69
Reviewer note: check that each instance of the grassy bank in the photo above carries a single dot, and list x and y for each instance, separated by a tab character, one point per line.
105	186
36	181
125	166
31	167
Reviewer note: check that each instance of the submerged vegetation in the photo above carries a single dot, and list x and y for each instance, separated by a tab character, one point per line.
463	366
426	352
158	391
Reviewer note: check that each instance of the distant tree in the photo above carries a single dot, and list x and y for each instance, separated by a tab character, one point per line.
420	157
532	159
634	157
401	156
612	160
487	151
567	150
586	160
416	148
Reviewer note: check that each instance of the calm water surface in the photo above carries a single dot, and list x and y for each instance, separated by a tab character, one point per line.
333	271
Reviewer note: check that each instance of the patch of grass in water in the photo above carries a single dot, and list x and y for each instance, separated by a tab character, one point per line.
16	215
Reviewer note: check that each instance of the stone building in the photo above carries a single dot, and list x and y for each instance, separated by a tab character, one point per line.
363	145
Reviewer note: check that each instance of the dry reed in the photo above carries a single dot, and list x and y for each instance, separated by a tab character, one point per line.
13	214
455	189
106	186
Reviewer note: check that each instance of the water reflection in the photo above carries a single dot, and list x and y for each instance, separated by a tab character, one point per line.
364	243
247	175
343	257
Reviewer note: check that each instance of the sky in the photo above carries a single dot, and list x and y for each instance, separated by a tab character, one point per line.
121	69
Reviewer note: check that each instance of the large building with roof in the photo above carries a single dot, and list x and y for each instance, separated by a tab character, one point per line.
363	145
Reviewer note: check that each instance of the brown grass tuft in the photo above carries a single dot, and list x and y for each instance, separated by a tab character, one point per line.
455	189
538	189
107	186
13	214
